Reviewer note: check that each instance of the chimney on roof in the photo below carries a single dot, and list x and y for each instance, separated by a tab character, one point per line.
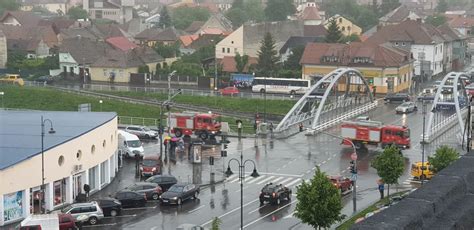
418	20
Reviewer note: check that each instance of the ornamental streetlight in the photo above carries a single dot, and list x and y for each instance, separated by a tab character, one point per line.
51	131
229	172
422	177
100	102
1	94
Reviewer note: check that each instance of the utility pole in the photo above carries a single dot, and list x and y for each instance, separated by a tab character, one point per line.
422	177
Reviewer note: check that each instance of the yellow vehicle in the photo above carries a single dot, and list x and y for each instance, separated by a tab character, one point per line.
12	79
417	168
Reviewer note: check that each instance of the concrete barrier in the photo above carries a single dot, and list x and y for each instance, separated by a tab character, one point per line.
445	202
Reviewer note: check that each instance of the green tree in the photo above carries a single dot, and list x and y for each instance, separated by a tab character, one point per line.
350	38
165	18
443	157
237	16
334	33
293	61
215	223
278	10
167	51
182	17
187	69
389	165
11	5
362	15
267	56
388	5
442	6
143	69
436	20
254	11
238	4
319	202
77	12
241	62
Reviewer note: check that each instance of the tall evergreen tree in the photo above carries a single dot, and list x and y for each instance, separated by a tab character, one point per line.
267	56
278	10
165	18
334	33
241	62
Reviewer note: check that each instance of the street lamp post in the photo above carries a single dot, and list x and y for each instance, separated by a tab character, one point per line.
229	172
422	177
166	103
100	102
51	131
1	94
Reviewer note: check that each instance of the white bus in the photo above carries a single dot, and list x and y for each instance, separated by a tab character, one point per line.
280	85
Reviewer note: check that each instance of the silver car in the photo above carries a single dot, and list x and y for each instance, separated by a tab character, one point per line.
142	131
90	212
406	107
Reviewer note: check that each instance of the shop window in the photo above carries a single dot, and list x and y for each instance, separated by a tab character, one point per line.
92	178
79	155
93	149
102	173
61	160
59	192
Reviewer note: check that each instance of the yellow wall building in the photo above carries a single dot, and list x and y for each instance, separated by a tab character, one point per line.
345	26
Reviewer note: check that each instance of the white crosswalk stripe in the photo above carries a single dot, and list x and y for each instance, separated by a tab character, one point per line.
250	179
293	182
256	179
234	180
275	181
232	177
266	179
286	180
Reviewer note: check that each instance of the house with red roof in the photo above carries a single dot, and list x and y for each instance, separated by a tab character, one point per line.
121	43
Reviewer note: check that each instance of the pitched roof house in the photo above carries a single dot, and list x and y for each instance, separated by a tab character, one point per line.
217	22
400	14
19	18
121	43
33	40
247	38
463	25
153	35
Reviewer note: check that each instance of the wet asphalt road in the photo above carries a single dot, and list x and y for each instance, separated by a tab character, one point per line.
288	162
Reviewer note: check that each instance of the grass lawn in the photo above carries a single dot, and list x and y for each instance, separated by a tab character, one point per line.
348	223
53	100
277	107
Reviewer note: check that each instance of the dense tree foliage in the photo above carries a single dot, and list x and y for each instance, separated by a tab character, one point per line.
442	6
35	66
334	33
436	20
167	51
363	16
241	62
443	157
293	61
8	5
267	56
182	17
248	11
165	18
77	12
389	165
319	202
279	10
387	6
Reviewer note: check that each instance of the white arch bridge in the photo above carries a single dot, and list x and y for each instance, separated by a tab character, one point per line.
340	95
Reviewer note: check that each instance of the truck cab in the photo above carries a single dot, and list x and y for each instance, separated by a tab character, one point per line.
396	135
202	125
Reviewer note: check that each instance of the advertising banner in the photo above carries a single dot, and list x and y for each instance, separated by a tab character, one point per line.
13	206
197	153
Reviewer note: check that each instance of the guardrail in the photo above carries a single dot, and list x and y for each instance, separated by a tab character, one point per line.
442	126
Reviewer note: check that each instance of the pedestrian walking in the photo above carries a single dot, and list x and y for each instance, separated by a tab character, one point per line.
301	127
137	164
381	188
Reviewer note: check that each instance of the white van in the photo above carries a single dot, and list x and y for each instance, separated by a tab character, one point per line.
129	144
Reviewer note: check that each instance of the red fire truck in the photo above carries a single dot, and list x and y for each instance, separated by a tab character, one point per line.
363	133
201	124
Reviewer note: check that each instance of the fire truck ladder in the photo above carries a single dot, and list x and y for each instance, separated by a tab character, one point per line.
338	96
449	107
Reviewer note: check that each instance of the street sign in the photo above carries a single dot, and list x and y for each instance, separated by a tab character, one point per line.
354	177
354	156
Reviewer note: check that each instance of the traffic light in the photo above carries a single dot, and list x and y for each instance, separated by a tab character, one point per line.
211	160
223	153
353	168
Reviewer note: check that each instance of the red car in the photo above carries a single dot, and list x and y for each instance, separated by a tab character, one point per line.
150	166
229	91
342	183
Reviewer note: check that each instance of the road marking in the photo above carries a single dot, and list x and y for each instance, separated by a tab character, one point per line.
343	171
98	225
284	166
278	174
232	177
191	211
235	180
314	168
257	209
277	179
257	179
271	213
286	180
329	158
319	165
324	162
250	180
266	179
229	212
309	170
293	182
289	215
110	217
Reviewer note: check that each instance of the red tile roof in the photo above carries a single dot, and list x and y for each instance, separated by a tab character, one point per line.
310	13
186	40
412	31
25	18
229	65
121	43
462	22
380	55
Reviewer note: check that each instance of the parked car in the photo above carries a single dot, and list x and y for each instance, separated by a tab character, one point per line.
46	78
164	181
274	193
130	199
142	131
422	171
178	193
129	144
59	221
110	206
150	190
190	227
229	91
90	209
341	183
406	107
151	165
397	97
427	94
